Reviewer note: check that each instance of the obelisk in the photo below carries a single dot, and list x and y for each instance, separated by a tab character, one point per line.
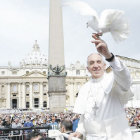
56	65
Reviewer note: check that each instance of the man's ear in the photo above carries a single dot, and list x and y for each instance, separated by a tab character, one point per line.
63	129
104	66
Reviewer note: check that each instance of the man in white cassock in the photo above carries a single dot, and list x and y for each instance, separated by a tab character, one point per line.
101	100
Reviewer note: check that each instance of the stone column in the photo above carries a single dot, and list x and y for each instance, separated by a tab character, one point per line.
8	97
56	72
0	91
19	96
48	104
41	95
23	96
31	96
72	93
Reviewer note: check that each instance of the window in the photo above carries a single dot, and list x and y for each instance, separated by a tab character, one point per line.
36	87
44	104
27	88
2	88
14	72
14	88
14	103
77	72
36	102
44	72
44	88
27	104
27	72
44	94
3	72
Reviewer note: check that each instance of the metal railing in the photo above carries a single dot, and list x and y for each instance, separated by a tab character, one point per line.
22	133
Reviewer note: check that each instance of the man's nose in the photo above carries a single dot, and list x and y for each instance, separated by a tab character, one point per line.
95	65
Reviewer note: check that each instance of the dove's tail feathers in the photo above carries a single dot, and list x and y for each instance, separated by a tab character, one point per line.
121	34
82	7
115	22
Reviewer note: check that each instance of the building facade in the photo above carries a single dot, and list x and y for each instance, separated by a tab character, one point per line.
26	86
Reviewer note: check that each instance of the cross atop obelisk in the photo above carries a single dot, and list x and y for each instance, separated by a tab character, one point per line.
56	72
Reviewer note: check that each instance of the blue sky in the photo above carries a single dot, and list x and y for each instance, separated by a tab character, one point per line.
24	21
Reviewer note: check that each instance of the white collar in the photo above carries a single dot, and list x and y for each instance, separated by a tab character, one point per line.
97	79
106	81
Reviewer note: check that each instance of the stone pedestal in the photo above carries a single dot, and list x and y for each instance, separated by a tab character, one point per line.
57	101
57	93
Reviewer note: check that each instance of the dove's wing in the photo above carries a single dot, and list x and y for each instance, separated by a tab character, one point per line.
81	7
84	9
114	21
94	24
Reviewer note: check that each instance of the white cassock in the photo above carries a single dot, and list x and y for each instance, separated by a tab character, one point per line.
101	105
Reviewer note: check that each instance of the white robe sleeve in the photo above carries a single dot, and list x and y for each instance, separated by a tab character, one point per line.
123	80
121	74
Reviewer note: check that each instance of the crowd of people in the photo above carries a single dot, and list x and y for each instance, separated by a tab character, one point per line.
65	122
38	119
133	116
29	119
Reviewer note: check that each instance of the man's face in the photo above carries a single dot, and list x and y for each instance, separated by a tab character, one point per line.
53	119
28	119
96	65
16	120
7	119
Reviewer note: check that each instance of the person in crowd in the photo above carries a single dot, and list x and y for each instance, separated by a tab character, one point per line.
28	123
16	124
7	124
66	127
1	125
100	101
35	136
75	122
54	124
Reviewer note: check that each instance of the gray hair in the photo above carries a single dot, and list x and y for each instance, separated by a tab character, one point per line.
97	54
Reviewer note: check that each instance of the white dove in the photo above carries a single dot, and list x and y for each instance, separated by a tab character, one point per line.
110	20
